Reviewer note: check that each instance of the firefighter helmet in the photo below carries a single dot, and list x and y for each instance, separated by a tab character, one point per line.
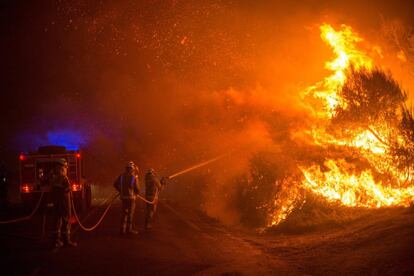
62	162
131	165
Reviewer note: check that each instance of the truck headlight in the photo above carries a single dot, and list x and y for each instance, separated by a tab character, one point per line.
26	188
76	187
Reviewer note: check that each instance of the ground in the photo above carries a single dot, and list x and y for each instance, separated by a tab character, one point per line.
185	241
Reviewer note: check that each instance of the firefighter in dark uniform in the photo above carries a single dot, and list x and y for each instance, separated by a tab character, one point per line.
128	187
152	188
62	205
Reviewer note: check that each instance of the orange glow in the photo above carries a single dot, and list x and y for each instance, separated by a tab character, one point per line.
78	155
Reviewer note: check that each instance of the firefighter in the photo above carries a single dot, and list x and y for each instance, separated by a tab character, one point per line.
152	187
128	187
62	205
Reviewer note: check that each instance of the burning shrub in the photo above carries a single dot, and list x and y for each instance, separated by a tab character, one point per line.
270	191
316	212
259	188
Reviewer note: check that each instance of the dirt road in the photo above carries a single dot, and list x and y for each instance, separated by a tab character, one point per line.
182	242
185	242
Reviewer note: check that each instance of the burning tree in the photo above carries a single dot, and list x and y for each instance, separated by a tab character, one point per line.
364	112
404	155
375	102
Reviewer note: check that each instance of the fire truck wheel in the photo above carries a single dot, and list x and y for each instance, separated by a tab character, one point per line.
29	202
28	206
88	196
80	205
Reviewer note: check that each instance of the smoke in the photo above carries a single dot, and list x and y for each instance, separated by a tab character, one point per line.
170	83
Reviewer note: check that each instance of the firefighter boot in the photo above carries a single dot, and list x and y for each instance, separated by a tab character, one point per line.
148	224
123	229
132	231
58	243
69	242
58	240
148	219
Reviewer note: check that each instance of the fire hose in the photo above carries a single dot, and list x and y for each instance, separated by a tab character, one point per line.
155	200
202	164
111	201
26	217
147	201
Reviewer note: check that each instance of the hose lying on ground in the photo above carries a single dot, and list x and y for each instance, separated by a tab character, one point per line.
111	201
26	217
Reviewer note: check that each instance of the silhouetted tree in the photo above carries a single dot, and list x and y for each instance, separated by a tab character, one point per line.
370	98
374	101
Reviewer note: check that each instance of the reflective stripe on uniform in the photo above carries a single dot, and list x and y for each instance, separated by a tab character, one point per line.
133	179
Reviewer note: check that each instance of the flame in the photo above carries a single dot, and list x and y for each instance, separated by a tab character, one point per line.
350	189
289	197
343	45
338	180
364	140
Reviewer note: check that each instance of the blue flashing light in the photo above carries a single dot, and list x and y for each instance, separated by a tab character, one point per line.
70	139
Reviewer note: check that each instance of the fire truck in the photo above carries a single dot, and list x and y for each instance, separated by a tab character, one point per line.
37	167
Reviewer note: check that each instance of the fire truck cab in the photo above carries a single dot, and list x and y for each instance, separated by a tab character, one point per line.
37	167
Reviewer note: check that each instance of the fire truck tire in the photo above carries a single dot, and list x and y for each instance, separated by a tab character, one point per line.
28	202
80	205
88	196
28	205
